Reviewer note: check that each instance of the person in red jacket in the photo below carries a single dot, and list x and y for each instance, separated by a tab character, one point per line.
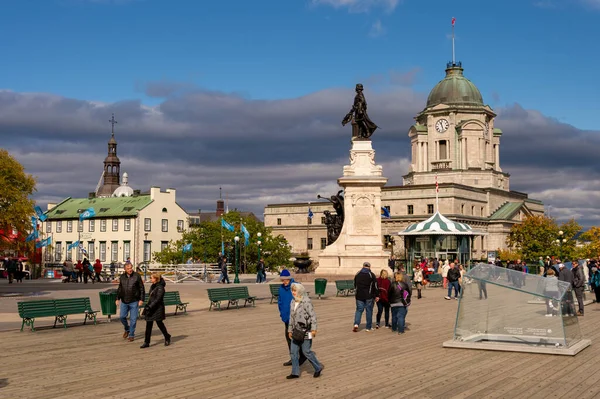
98	269
383	282
79	269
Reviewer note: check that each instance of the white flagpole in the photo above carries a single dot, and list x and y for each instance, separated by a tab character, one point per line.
437	200
453	57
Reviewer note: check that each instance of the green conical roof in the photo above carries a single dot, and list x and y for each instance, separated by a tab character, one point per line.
455	89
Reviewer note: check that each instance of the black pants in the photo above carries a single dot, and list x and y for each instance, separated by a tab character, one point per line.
289	342
579	296
161	327
383	308
597	292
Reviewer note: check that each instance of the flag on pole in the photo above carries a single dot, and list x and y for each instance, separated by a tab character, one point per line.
34	223
226	225
187	248
385	213
88	213
73	245
310	213
39	213
453	21
246	234
34	235
44	243
82	249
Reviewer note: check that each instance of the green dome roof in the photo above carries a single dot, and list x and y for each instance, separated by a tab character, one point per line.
455	89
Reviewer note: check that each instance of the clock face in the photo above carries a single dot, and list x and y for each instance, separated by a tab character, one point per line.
442	125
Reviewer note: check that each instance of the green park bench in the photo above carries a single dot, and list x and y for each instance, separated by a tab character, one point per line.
60	309
231	295
435	280
171	298
344	287
274	291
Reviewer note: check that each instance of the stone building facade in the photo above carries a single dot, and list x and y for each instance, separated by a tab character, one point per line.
455	147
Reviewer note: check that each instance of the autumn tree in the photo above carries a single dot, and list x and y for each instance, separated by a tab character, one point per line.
592	247
16	189
206	243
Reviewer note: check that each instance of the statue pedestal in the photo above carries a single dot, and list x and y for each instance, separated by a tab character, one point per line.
360	239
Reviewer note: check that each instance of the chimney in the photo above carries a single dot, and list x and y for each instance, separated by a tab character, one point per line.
92	195
220	207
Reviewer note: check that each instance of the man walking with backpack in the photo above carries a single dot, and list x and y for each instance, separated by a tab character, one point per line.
367	293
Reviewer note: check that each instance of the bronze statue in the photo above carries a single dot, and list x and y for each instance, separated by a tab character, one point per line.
335	222
358	115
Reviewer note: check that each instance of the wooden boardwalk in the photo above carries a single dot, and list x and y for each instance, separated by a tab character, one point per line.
239	354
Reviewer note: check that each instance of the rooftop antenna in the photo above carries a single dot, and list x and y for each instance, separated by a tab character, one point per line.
112	122
220	196
453	58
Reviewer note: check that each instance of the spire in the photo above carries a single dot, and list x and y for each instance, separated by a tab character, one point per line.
112	122
453	55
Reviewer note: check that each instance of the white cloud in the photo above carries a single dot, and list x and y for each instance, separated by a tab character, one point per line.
377	29
360	5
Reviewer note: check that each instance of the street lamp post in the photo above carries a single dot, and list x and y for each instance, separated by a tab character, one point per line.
236	280
560	241
259	242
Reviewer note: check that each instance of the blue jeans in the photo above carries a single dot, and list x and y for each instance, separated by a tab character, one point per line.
360	307
398	318
456	288
310	355
132	309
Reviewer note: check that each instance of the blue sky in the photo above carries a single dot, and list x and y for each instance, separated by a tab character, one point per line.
540	54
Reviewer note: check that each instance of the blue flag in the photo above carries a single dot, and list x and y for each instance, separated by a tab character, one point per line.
310	213
34	235
88	213
226	225
39	213
44	243
246	234
34	223
385	213
73	245
187	247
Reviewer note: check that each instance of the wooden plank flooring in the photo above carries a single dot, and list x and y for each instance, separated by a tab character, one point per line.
239	354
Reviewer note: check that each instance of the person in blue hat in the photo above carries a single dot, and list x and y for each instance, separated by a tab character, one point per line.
284	301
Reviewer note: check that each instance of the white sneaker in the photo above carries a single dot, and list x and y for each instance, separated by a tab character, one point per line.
368	330
549	315
447	297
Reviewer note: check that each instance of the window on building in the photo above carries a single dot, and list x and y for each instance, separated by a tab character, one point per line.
164	245
126	249
79	253
59	226
323	243
114	251
473	210
278	221
309	243
69	226
322	219
164	210
47	255
147	224
102	250
58	251
103	225
180	225
443	147
115	225
92	226
48	227
462	209
91	252
69	251
481	211
80	226
164	225
429	208
127	226
147	250
410	209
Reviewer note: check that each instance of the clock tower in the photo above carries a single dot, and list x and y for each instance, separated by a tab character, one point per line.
454	137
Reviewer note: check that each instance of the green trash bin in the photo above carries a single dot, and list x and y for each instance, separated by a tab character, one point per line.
107	302
320	286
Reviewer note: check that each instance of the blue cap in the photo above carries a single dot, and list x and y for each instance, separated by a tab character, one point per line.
285	273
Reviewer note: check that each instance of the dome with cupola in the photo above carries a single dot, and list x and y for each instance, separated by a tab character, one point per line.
455	89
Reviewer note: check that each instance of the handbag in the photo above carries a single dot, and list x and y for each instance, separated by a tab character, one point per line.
298	334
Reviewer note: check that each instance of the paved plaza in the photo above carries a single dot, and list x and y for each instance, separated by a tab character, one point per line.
239	354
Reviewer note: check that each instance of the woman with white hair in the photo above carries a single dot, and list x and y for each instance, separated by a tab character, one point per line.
302	329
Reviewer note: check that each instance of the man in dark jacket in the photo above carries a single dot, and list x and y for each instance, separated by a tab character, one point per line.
578	285
130	296
453	277
564	274
223	267
367	293
284	302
